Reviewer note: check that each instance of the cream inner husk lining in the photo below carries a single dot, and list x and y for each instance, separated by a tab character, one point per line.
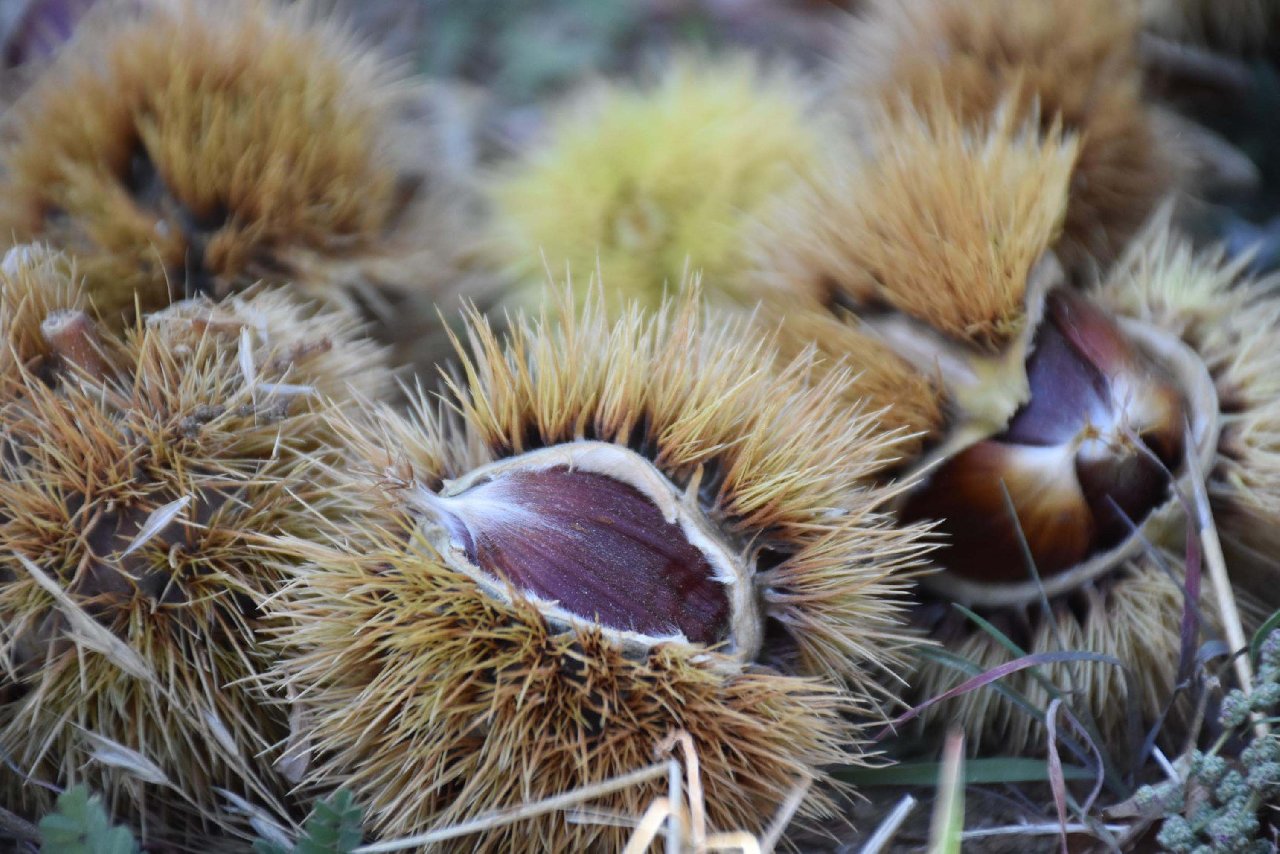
624	465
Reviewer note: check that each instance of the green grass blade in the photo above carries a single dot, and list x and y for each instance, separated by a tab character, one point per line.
947	828
991	770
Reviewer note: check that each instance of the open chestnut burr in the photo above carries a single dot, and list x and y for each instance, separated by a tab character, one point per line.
1055	433
1079	468
615	530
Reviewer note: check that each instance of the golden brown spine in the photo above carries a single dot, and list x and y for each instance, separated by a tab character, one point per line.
475	680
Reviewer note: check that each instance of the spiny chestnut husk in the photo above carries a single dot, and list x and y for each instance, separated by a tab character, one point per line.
937	245
136	480
932	238
1230	321
648	184
190	148
1088	456
35	283
1073	504
1064	63
629	529
907	404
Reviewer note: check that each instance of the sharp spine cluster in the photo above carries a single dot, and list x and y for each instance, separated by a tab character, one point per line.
704	448
982	371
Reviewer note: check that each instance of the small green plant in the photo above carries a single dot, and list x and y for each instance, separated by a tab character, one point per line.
1215	808
80	826
334	827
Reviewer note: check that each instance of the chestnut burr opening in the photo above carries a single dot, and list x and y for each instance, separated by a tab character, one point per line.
1086	459
594	534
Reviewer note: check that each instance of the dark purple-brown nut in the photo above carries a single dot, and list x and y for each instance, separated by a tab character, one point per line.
1082	463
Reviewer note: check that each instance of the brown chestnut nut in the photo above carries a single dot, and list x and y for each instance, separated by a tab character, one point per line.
1085	459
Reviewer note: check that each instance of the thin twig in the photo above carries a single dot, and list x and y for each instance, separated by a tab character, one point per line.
889	827
693	779
1165	765
675	795
1047	829
605	818
736	840
524	811
1217	566
784	815
649	827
